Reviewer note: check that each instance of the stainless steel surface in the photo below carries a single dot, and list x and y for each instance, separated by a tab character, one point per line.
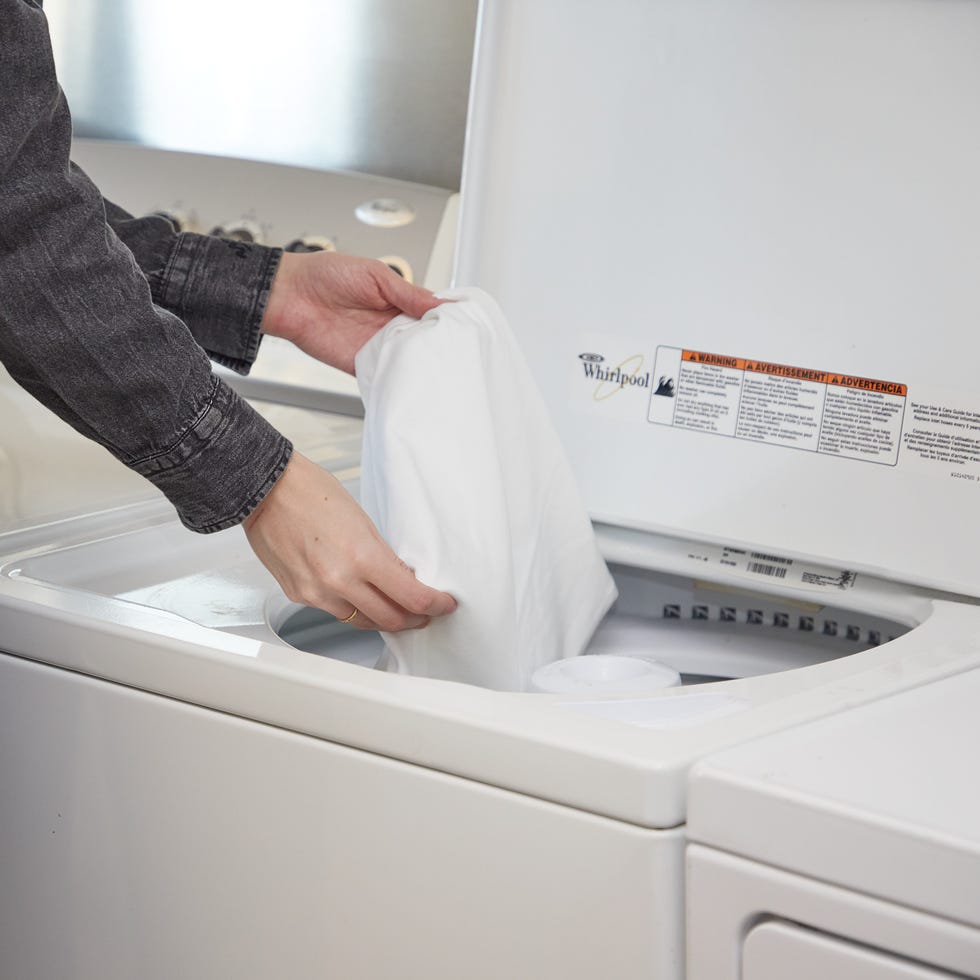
377	86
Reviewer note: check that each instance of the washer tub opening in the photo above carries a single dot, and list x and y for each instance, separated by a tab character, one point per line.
705	631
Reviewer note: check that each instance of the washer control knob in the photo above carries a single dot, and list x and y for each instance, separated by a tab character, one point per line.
385	212
311	243
400	265
243	230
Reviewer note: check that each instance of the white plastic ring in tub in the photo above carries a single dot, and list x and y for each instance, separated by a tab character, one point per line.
604	673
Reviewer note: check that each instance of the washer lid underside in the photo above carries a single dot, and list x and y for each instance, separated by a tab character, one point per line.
738	242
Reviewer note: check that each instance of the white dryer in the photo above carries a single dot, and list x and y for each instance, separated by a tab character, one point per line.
732	237
849	847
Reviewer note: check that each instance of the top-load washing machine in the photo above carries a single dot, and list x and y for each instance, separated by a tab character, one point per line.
738	243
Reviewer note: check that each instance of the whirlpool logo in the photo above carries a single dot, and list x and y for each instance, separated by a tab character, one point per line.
612	380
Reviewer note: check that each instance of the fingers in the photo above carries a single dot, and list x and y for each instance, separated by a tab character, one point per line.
358	620
393	600
360	606
389	596
398	582
325	552
378	611
416	301
357	602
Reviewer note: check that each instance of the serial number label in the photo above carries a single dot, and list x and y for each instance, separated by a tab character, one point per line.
756	564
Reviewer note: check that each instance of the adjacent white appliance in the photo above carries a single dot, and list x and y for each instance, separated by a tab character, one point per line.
849	847
734	238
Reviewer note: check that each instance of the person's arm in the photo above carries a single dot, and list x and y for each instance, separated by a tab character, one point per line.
328	304
78	328
229	293
219	288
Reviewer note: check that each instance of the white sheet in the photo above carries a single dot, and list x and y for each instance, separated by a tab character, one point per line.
464	476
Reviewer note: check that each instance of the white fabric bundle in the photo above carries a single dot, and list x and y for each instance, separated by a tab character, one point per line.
464	476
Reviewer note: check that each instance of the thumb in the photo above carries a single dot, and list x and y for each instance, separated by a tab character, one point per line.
416	301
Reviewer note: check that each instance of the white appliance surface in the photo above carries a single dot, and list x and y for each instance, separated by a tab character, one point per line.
771	204
644	182
148	691
48	472
880	802
779	949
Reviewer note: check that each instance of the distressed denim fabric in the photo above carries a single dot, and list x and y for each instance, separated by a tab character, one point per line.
91	301
219	288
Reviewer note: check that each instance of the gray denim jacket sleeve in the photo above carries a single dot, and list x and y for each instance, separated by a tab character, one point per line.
219	288
79	328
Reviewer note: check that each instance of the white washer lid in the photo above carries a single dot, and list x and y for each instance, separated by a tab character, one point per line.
786	185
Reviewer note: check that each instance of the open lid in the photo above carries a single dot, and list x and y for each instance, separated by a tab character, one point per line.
740	243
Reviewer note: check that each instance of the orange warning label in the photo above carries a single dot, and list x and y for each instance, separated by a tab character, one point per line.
869	384
789	371
719	360
779	404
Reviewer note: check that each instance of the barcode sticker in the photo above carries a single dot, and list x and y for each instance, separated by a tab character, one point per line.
776	571
772	558
788	571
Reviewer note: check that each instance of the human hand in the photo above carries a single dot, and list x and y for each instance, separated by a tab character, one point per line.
330	305
325	552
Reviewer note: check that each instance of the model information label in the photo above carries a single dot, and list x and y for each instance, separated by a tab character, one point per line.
801	408
776	568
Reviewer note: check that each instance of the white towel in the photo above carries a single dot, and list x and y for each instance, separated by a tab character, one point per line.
464	476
